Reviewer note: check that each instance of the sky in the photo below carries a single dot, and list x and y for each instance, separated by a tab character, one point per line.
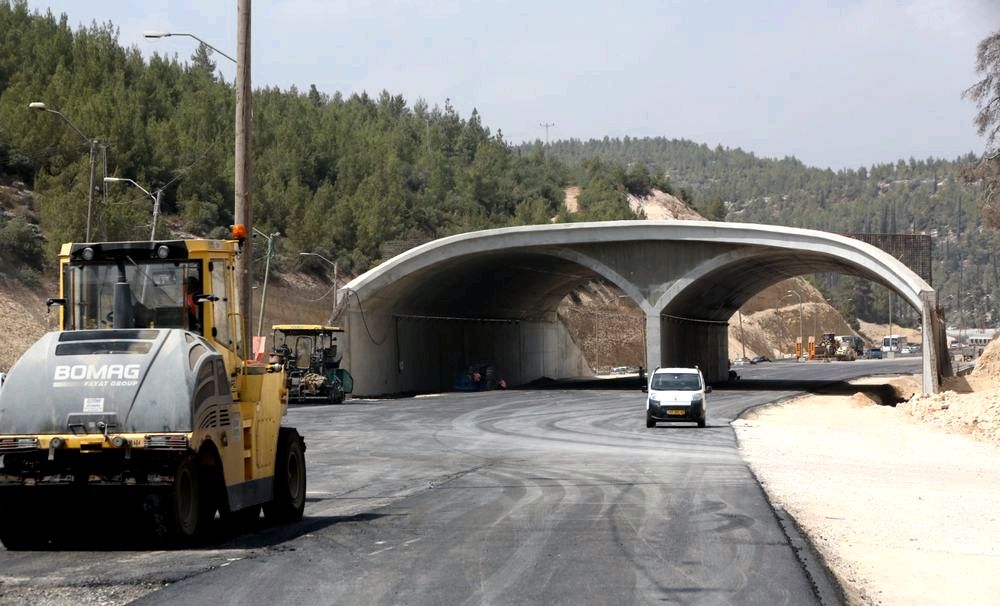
835	83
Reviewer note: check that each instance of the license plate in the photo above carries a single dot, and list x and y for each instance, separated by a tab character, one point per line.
676	413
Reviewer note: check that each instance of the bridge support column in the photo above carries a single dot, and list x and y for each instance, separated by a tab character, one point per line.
934	350
654	342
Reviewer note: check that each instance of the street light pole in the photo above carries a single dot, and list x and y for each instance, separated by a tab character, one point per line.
154	197
333	314
39	106
153	34
267	269
802	334
243	158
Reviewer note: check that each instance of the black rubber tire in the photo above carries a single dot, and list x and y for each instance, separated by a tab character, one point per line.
22	526
336	393
191	503
289	500
650	423
702	421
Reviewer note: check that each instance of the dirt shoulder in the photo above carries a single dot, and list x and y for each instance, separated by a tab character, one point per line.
901	502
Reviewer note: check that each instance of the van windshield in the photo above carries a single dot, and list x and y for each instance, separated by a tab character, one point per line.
675	382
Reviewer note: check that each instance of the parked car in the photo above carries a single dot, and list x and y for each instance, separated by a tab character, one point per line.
759	359
742	361
874	353
676	394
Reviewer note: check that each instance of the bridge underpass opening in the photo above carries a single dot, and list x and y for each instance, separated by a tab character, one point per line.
499	310
701	318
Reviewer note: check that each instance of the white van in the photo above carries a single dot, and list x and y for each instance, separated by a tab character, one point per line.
676	394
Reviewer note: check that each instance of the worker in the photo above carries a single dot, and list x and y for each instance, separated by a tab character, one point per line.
477	379
191	304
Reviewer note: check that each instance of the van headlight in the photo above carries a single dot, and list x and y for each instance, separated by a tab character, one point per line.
697	398
653	397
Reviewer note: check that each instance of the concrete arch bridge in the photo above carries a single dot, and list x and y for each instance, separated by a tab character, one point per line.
415	320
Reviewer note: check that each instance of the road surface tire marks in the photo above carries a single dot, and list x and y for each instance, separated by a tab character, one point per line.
564	498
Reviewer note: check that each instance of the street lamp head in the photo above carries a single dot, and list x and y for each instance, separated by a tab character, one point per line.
152	33
112	179
37	105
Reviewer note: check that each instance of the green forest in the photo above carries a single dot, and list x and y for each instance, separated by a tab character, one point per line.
930	196
360	178
346	177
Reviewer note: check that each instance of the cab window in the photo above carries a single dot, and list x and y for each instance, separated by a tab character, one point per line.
158	288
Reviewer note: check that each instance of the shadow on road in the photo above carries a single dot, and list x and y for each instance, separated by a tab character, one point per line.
256	535
882	393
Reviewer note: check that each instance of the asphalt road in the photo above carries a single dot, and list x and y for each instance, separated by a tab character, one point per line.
550	496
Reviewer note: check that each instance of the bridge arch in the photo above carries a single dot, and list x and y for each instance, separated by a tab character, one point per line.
491	295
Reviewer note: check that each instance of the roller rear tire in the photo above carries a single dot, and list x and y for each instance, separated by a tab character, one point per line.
289	499
22	526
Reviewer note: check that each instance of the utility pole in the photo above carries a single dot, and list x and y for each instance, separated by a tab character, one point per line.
244	168
546	126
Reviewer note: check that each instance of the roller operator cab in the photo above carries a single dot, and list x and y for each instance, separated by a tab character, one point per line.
676	394
145	397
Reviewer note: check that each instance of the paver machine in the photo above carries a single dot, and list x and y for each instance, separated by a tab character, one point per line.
311	355
145	399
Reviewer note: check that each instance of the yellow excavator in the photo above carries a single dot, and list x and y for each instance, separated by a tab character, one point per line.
145	396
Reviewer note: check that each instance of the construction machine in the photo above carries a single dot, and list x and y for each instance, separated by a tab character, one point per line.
145	398
845	352
826	347
311	356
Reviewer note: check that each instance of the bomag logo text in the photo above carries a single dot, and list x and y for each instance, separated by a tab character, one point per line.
107	375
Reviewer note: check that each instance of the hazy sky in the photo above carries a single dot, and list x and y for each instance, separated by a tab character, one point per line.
838	83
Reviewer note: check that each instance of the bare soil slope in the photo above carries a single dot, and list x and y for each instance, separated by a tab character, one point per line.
23	319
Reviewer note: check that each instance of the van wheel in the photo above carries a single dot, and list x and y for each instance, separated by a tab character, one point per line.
289	499
702	421
650	422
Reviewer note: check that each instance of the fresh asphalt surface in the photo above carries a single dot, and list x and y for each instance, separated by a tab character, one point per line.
554	496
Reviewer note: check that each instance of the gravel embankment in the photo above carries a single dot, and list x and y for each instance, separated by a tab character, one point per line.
901	502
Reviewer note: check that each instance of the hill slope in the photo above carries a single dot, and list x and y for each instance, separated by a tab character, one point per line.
908	196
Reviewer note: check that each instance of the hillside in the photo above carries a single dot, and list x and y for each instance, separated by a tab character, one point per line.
23	319
907	196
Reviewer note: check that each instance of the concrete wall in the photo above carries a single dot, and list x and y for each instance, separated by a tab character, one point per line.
705	345
425	355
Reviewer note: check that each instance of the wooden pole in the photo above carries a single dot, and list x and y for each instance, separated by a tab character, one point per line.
244	169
